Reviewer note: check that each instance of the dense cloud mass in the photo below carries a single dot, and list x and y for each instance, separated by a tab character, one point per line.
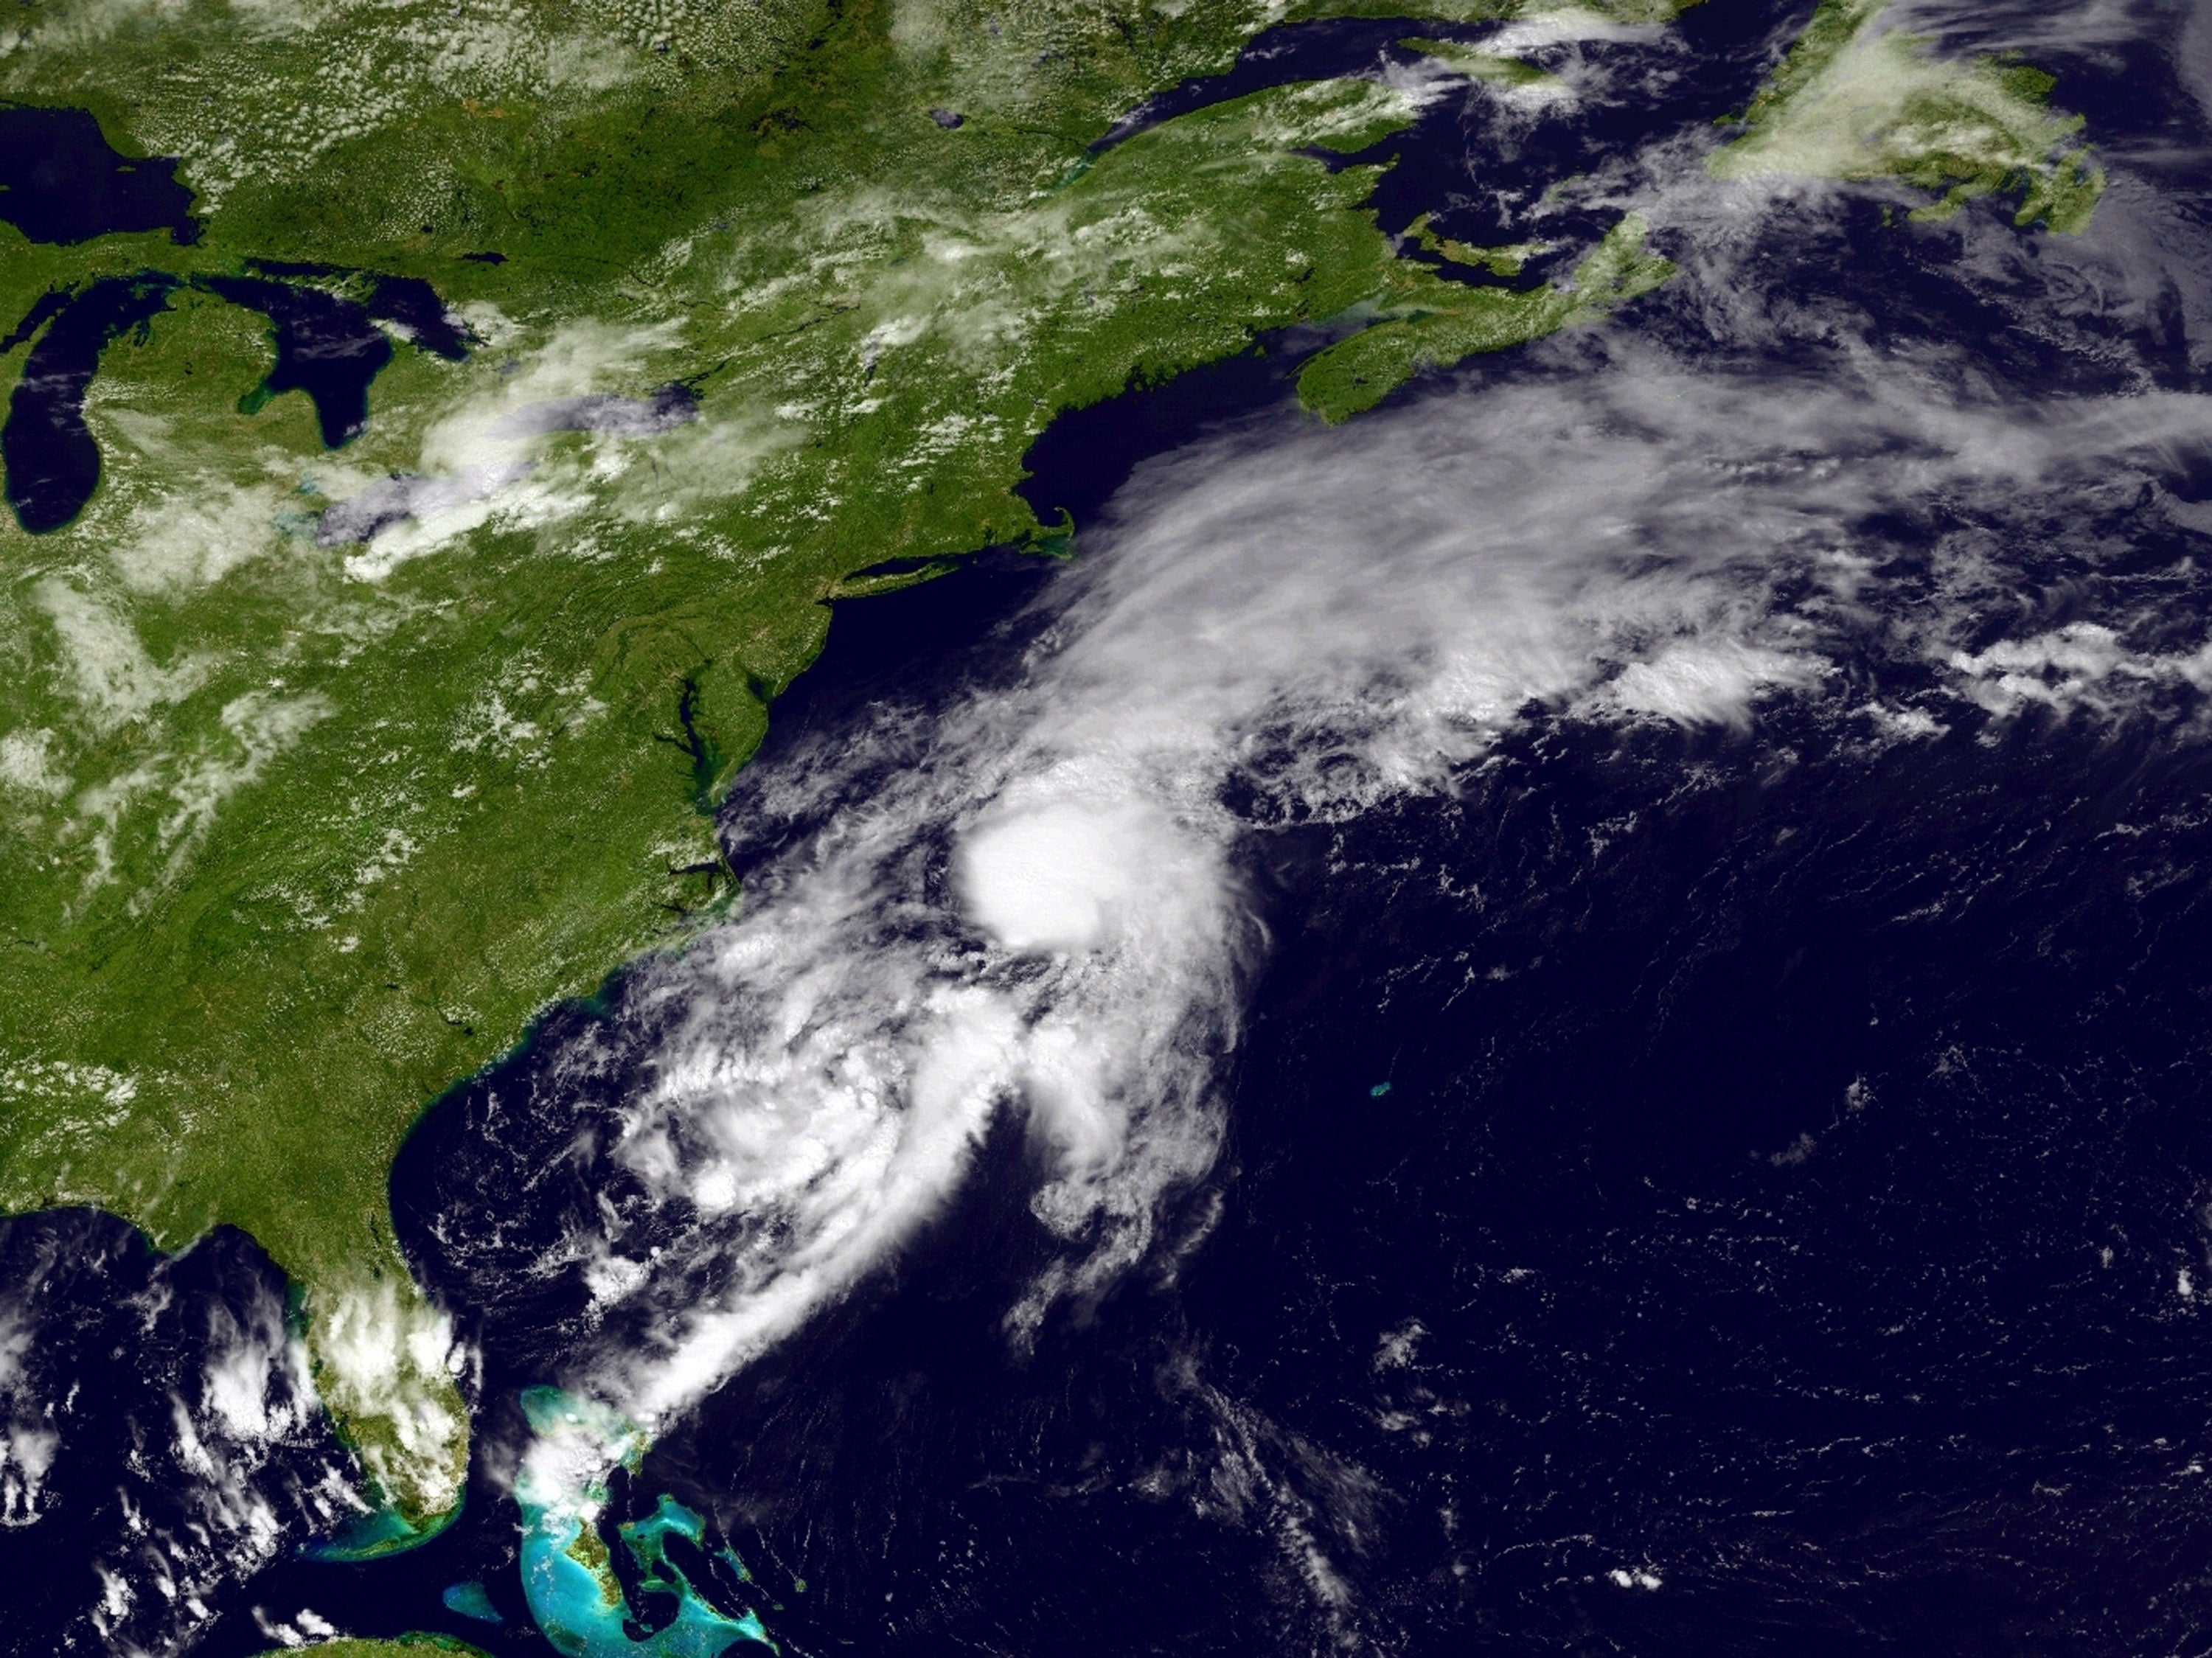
1029	900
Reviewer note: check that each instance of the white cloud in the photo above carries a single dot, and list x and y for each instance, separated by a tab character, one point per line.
484	461
108	668
1027	901
27	763
383	1360
2082	665
196	535
1060	877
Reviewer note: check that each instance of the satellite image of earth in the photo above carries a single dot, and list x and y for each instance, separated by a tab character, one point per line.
1046	827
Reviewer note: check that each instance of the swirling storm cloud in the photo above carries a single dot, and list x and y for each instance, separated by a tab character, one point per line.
1033	900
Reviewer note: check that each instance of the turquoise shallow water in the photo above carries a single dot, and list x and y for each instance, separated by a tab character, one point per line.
377	1533
470	1599
575	1597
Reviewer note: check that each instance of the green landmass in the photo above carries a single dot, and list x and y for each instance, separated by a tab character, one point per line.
1432	323
302	830
1498	68
1497	261
1852	101
406	1646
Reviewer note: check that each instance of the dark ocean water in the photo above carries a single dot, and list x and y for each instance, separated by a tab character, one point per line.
1732	1189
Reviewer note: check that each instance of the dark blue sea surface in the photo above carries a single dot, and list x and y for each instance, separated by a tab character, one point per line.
1734	1189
